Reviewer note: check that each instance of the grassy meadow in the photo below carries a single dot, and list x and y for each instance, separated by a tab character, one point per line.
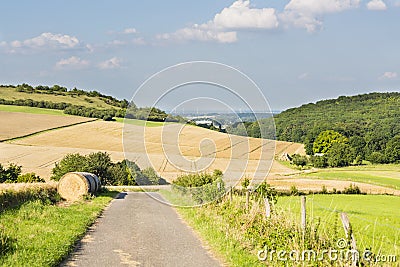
387	175
236	235
82	100
31	110
43	234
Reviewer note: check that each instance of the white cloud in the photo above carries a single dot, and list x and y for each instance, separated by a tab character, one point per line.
45	41
139	41
388	75
129	31
72	62
111	63
223	27
240	16
303	76
308	13
376	5
200	33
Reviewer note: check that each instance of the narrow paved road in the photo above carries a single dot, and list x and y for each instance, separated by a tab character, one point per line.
137	230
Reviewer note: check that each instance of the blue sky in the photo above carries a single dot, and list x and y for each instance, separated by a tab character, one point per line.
297	51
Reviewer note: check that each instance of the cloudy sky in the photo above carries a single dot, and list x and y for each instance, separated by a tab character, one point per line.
297	51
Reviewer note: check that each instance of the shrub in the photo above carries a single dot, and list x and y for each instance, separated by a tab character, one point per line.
264	190
299	160
202	187
377	158
245	183
352	189
29	178
319	161
293	190
6	242
121	173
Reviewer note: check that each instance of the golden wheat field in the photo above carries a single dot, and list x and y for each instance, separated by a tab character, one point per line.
16	124
172	149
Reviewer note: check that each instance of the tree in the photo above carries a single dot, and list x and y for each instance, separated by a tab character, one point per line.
326	139
377	158
98	163
340	155
299	160
392	151
358	144
70	163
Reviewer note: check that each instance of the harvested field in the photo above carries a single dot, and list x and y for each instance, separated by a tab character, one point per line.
17	124
171	149
41	159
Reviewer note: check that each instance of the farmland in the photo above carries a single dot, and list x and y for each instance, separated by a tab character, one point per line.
382	175
107	136
8	93
17	124
238	235
173	148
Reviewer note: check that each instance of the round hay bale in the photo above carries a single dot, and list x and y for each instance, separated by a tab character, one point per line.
74	185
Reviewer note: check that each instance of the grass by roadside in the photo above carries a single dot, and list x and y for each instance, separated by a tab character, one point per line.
32	110
43	234
236	235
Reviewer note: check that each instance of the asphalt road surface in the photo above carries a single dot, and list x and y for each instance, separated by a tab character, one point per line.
137	230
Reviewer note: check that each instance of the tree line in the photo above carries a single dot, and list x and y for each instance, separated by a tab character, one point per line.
362	127
120	108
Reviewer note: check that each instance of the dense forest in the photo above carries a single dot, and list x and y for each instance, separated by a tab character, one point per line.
366	126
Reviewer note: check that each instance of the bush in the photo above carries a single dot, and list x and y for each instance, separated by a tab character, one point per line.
121	173
29	178
340	155
352	190
377	158
294	191
319	161
264	190
202	187
299	160
6	242
9	175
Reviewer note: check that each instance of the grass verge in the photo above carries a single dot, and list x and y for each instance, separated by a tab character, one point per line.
42	234
237	235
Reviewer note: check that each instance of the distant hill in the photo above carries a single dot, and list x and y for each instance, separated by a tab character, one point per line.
359	115
92	104
370	122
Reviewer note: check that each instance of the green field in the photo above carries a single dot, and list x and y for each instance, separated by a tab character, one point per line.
236	235
384	175
375	219
43	234
141	122
82	100
32	110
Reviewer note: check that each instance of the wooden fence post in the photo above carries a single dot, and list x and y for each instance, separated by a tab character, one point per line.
231	194
267	208
349	234
303	213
